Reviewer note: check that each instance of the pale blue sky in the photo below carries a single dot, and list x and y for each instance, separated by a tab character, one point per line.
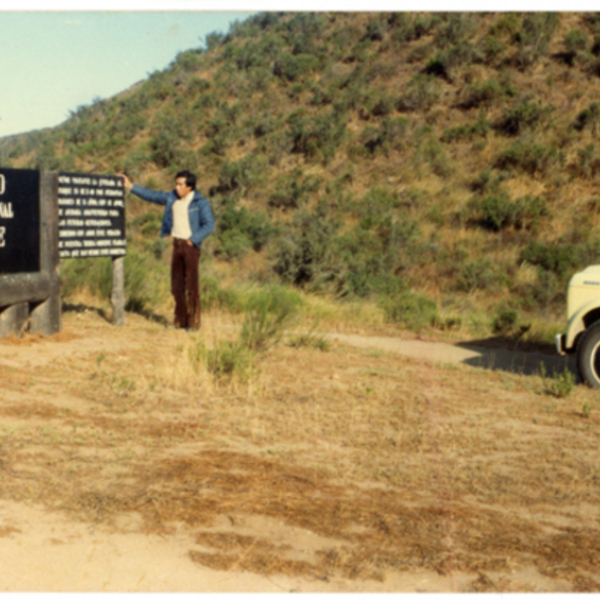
52	62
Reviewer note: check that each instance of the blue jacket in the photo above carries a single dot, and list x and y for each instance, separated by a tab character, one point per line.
202	221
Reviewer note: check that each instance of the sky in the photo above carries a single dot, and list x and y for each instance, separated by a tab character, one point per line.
52	62
56	57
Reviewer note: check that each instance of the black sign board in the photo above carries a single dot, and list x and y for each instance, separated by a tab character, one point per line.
91	219
19	221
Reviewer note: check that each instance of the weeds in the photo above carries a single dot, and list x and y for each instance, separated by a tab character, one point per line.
268	314
505	320
411	310
310	339
560	385
226	359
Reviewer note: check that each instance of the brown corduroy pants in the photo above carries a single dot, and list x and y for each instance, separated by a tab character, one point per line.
185	284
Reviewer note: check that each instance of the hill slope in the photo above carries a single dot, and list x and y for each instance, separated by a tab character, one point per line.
443	163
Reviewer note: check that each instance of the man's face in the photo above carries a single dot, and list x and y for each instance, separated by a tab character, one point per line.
181	187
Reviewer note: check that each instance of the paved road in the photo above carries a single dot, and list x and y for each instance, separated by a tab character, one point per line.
495	358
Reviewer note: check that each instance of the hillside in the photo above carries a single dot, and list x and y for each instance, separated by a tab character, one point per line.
442	167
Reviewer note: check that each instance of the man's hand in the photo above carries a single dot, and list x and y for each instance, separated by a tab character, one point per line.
126	181
189	242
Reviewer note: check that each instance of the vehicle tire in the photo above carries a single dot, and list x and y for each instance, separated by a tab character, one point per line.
588	356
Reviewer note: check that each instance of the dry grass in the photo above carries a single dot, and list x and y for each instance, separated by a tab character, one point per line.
390	464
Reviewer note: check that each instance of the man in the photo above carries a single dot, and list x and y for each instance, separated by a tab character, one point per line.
188	218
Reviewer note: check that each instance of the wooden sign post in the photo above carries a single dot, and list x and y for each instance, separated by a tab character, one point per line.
92	224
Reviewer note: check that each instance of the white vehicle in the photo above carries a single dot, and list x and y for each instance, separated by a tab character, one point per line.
583	330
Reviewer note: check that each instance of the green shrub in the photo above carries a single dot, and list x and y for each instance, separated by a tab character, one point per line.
559	259
486	183
452	29
407	28
529	157
305	254
410	310
446	61
293	191
197	85
188	61
421	94
496	211
377	103
521	117
241	175
560	385
165	147
214	296
534	37
588	163
491	49
77	274
367	276
145	281
506	25
358	52
546	291
263	124
479	128
481	274
375	30
239	229
528	211
292	68
505	320
233	244
226	360
148	223
589	117
304	31
125	127
319	137
576	43
213	40
421	52
375	207
485	94
321	96
388	135
269	312
438	159
310	339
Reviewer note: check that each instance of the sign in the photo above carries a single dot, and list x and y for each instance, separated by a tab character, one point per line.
19	221
91	216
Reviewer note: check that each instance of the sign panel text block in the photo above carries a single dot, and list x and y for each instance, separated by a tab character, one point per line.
91	220
19	221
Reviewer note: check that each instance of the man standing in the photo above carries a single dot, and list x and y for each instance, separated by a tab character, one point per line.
188	218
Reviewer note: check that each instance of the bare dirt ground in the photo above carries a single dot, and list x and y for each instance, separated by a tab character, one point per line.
377	465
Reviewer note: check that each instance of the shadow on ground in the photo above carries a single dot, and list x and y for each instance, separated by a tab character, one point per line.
500	354
80	308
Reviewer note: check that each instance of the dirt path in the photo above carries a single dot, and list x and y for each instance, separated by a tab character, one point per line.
383	471
472	354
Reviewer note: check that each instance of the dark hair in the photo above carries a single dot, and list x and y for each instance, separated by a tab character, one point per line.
190	178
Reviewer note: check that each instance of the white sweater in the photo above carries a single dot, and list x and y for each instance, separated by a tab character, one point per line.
181	220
